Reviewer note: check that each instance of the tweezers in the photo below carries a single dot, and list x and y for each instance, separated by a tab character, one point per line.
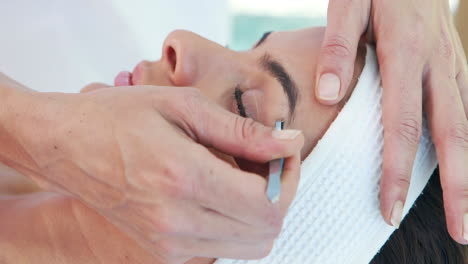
274	176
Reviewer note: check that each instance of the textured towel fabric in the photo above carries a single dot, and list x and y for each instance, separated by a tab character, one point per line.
335	216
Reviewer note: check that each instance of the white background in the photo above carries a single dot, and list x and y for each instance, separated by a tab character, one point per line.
288	7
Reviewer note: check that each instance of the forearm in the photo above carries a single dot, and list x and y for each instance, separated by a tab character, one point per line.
12	182
27	123
50	228
5	80
52	138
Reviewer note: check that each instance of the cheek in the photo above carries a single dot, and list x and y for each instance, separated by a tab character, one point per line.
314	120
217	93
218	88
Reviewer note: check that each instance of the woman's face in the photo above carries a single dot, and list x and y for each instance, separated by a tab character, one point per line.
272	81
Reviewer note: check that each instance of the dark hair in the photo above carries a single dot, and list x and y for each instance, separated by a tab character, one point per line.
423	237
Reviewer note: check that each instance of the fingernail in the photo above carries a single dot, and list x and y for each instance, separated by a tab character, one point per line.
286	134
465	227
329	87
396	214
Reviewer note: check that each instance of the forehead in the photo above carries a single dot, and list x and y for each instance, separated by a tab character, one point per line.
309	38
298	52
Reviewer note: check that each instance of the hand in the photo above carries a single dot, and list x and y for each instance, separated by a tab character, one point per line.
419	52
51	228
138	155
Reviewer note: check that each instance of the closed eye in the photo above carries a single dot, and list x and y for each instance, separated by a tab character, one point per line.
240	104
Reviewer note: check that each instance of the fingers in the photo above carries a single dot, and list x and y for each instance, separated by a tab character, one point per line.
402	115
347	21
215	127
242	196
122	79
462	82
449	126
462	76
179	250
237	219
93	87
289	181
216	232
182	219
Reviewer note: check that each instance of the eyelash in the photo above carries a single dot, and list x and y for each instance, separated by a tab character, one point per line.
238	97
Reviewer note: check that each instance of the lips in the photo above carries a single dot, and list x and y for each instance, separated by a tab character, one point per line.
124	78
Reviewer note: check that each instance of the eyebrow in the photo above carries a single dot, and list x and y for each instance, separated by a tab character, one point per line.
262	39
281	75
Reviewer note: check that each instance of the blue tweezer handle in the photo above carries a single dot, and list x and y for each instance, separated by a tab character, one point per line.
274	176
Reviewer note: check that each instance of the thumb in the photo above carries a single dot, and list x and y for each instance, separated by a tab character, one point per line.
213	126
346	22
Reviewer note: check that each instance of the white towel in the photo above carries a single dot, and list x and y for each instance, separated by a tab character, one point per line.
335	217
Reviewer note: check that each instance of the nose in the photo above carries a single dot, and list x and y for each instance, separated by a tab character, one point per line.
186	55
178	55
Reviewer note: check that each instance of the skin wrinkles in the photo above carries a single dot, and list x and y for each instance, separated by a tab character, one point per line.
84	220
106	195
76	213
19	152
125	177
81	222
49	228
